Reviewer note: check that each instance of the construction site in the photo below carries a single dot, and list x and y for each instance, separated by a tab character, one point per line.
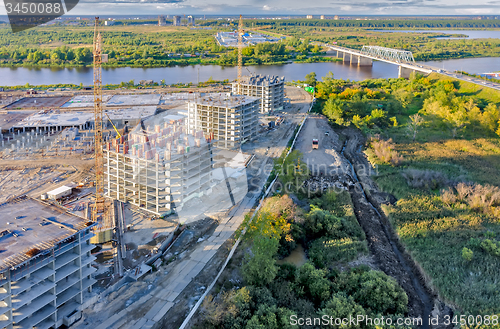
134	182
270	90
45	269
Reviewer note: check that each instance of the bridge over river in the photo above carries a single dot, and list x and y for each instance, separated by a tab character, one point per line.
404	60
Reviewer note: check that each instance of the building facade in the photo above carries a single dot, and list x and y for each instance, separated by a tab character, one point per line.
176	21
45	267
159	167
270	89
228	119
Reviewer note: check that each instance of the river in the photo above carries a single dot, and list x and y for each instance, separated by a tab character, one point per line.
295	71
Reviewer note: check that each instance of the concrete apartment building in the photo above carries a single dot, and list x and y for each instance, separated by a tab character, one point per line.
159	166
228	119
45	265
176	21
190	20
270	89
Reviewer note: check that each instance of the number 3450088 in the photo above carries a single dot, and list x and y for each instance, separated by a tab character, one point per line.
33	8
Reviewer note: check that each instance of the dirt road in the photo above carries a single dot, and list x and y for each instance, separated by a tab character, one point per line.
388	253
326	160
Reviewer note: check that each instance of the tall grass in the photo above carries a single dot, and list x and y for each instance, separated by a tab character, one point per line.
436	226
386	152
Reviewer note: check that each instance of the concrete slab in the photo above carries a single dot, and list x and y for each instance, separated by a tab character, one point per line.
166	307
149	324
196	270
172	296
139	99
26	223
155	309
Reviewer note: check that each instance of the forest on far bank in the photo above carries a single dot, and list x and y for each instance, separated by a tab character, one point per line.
158	46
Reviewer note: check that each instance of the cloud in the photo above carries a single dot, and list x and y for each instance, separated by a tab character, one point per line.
267	8
421	6
132	1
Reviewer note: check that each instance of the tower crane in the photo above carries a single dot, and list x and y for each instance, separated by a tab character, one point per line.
98	209
241	31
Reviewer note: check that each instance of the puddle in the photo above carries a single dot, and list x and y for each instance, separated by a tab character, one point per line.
297	257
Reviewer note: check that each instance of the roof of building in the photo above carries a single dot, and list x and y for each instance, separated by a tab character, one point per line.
224	100
26	224
261	80
54	118
59	190
137	99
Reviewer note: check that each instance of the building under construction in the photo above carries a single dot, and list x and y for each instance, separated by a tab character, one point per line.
45	265
229	119
159	166
270	89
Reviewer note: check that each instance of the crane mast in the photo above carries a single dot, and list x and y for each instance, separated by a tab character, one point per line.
240	52
98	142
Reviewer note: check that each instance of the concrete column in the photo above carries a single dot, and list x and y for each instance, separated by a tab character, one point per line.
354	59
404	72
364	61
347	57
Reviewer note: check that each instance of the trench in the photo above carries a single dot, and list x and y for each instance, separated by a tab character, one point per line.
420	301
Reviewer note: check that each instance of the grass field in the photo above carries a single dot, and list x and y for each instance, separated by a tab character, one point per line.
435	233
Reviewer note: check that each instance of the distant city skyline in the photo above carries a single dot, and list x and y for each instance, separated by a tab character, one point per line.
284	7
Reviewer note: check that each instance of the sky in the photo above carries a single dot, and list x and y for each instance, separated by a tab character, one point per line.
285	7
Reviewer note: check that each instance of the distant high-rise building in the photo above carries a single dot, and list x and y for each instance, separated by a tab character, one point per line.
161	21
336	17
309	16
176	21
190	20
322	17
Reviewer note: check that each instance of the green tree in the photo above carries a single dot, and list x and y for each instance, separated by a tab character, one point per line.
292	171
413	126
312	283
260	266
342	307
334	110
374	290
467	254
311	79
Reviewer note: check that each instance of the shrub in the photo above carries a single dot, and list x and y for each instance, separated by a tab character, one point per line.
463	191
483	198
312	283
321	222
424	179
491	247
341	306
385	152
324	251
374	290
448	196
467	254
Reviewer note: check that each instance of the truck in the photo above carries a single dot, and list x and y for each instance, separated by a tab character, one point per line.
315	144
